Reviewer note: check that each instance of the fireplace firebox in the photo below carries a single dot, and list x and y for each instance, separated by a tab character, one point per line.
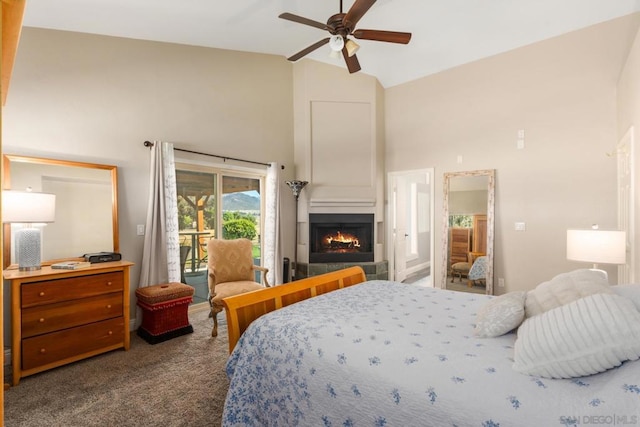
340	238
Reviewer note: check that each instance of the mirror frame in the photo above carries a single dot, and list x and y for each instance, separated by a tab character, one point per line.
490	173
8	159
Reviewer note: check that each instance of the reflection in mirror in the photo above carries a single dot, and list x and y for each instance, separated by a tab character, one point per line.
86	205
468	218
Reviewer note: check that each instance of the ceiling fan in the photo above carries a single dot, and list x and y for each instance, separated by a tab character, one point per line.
341	26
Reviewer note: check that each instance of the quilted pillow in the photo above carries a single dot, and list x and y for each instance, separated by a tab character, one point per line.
584	337
631	291
565	288
500	315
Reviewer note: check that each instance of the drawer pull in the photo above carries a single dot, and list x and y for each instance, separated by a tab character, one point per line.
41	320
110	332
108	305
43	351
41	294
109	283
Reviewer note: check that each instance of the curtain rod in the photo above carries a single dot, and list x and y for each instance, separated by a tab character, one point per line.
224	158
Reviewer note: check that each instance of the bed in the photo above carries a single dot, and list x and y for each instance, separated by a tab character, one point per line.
382	353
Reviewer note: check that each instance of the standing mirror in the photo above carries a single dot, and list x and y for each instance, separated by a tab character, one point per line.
468	218
86	217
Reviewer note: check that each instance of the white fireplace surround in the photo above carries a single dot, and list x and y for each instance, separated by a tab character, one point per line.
355	206
339	150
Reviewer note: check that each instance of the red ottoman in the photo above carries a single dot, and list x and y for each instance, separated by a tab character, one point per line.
164	311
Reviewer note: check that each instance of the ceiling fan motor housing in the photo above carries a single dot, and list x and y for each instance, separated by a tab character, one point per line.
336	25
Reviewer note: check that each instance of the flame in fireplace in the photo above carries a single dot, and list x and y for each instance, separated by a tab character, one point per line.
343	240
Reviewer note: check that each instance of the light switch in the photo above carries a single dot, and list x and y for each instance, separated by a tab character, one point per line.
520	226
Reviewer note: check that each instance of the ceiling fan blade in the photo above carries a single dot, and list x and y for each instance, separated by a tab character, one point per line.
353	65
382	36
357	11
308	50
302	20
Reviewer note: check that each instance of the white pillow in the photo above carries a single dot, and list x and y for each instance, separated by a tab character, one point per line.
500	315
565	288
584	337
631	291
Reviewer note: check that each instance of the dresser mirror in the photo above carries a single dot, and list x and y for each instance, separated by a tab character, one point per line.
468	218
86	215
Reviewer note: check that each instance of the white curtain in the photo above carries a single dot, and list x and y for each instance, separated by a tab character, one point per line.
272	247
161	256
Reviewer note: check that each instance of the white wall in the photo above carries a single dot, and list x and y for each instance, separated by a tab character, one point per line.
94	98
629	115
97	99
562	92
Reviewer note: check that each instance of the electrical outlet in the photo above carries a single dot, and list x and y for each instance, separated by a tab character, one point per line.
140	230
501	282
520	226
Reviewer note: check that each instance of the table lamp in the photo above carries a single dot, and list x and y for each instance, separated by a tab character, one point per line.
597	246
28	208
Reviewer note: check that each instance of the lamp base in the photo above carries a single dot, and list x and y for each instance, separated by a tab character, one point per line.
27	247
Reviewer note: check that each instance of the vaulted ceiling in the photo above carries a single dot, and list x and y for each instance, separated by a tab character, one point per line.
446	33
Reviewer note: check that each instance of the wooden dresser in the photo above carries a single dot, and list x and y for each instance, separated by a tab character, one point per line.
62	316
480	234
459	245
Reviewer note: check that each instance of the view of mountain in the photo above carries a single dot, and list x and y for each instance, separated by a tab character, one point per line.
240	202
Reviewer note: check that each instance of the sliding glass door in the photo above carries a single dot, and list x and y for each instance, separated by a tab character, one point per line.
215	203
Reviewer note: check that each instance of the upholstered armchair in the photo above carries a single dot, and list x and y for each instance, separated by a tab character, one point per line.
478	272
231	272
460	269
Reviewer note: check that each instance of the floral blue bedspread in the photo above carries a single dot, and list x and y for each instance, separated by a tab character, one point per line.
389	354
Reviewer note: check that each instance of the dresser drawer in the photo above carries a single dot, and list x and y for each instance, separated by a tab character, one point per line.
52	291
52	317
56	346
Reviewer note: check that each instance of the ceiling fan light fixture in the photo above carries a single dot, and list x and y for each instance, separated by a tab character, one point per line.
334	54
352	47
336	43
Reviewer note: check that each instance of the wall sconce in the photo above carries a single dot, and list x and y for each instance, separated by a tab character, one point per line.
28	208
597	246
296	187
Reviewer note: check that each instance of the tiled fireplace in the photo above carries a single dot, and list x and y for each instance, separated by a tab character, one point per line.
338	240
335	237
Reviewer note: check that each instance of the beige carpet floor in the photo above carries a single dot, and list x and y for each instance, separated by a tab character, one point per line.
180	382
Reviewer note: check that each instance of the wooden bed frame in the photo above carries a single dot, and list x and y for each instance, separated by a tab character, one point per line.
245	308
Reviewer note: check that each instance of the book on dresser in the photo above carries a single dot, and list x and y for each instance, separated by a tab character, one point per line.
71	265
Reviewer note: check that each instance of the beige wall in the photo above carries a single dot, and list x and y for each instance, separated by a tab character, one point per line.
93	98
628	116
562	92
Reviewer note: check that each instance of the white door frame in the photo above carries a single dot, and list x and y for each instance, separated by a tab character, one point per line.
626	202
392	180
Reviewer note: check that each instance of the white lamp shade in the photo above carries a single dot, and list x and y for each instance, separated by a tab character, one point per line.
28	207
597	246
352	47
336	43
